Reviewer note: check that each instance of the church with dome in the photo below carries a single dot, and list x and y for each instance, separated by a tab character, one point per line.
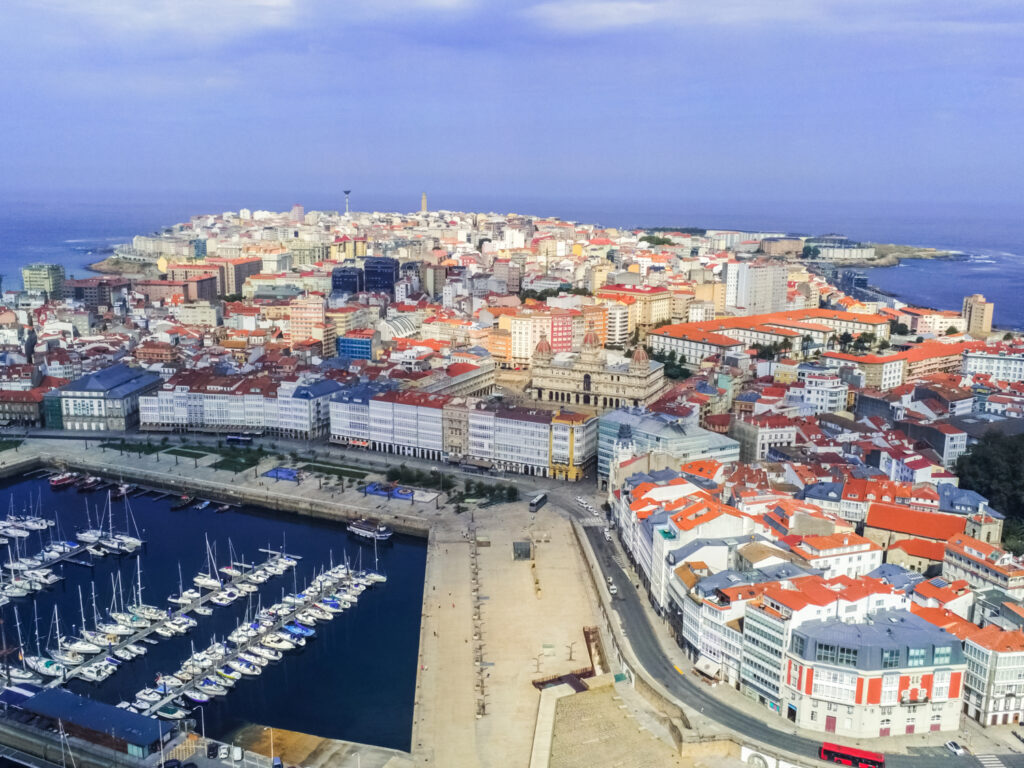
587	378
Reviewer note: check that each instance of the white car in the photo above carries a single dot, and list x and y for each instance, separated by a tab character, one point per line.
955	748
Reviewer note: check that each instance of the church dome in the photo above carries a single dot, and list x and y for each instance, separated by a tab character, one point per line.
543	347
640	356
590	339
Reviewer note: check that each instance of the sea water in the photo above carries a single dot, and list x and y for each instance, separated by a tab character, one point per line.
355	680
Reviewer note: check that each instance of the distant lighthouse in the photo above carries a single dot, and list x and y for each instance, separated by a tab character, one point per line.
423	203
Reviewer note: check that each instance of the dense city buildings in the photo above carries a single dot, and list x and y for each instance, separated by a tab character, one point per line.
776	447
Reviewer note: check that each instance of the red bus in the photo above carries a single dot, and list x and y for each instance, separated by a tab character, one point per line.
859	758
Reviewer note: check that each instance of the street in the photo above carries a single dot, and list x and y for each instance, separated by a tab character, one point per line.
628	604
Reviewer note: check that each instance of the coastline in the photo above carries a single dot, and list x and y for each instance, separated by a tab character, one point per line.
131	269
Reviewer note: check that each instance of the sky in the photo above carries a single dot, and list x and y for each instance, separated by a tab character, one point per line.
889	101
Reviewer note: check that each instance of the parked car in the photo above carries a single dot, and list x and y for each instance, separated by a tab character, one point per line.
955	748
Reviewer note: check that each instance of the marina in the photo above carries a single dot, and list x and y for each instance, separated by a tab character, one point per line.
245	626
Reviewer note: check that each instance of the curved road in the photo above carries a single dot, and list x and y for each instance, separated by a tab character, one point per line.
648	651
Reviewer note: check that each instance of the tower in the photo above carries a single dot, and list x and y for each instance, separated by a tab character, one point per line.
423	203
347	193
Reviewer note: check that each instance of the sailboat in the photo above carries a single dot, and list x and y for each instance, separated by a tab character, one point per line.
139	608
20	674
183	596
208	579
125	620
41	664
90	535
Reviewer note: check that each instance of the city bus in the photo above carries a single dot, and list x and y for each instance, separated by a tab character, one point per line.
238	439
859	758
538	501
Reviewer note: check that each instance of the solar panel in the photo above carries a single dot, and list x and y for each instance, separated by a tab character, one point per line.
938	582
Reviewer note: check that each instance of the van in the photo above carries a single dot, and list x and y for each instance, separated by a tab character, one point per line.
277	763
236	754
613	590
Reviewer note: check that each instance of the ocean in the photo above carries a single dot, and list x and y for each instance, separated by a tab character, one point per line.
355	680
70	230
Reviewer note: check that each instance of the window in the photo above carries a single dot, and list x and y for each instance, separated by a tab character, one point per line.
847	656
916	657
890	658
798	645
943	655
826	653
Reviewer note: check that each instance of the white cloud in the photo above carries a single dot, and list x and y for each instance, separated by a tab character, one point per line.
591	16
213	19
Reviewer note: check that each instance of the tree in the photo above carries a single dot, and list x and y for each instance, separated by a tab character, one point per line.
656	240
811	252
900	329
993	468
844	340
952	330
883	345
1007	336
919	339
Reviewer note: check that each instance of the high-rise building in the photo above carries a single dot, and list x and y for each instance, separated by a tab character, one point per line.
978	314
423	203
348	280
381	274
44	278
298	212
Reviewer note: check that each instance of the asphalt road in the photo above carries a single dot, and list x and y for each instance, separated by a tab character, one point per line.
628	604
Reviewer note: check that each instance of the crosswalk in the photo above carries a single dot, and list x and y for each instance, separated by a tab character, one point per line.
990	761
592	522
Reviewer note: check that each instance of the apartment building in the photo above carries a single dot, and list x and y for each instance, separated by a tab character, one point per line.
200	401
528	441
106	400
894	673
983	566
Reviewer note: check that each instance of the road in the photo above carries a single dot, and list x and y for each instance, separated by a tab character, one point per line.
628	604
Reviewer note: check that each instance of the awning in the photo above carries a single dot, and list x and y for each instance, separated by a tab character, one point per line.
708	667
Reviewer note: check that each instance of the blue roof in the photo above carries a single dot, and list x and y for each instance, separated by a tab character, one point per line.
119	380
896	576
317	389
95	716
748	397
961	500
823	491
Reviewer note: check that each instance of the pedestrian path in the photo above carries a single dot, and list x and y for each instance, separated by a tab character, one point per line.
990	761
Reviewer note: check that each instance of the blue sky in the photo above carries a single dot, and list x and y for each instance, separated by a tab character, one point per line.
659	100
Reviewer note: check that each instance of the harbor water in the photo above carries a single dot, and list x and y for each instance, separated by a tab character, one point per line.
354	681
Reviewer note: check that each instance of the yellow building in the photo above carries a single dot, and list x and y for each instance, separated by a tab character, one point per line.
978	314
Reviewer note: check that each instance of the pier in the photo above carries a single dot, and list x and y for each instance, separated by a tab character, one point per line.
172	613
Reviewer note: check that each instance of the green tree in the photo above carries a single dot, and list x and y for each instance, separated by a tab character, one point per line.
1007	336
952	330
919	339
811	252
993	468
656	240
844	340
900	329
883	345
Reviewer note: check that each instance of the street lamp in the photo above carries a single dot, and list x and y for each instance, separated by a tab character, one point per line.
202	721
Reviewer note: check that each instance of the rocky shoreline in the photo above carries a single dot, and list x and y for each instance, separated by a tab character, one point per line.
890	255
132	269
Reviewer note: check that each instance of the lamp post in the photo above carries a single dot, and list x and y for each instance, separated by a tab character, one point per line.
202	721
